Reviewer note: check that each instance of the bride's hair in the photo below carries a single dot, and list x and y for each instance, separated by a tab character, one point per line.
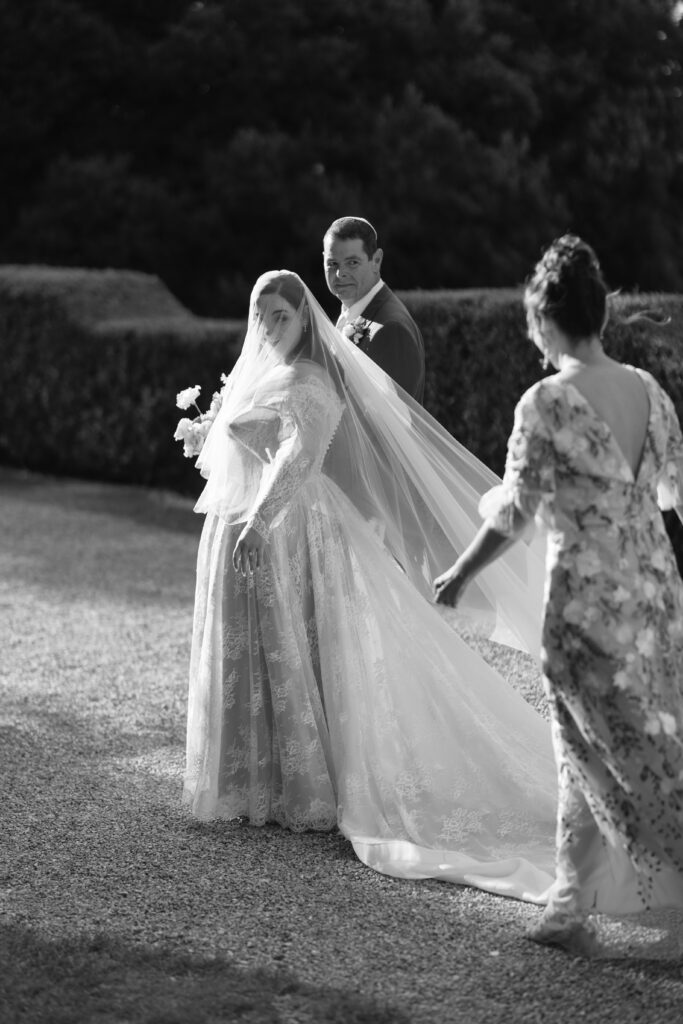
286	284
290	286
567	285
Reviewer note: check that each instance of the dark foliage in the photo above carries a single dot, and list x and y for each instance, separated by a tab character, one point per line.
96	359
209	141
479	362
90	377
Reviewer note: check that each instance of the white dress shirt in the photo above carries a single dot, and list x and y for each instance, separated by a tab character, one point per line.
347	315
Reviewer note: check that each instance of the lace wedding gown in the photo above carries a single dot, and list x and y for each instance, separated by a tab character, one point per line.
326	691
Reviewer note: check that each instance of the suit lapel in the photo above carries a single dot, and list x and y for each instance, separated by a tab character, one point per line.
375	304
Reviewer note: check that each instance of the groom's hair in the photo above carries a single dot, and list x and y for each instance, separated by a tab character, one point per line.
354	227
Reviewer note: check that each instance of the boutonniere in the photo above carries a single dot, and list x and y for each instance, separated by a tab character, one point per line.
358	330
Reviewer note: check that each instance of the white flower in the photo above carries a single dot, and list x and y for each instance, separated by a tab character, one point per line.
645	642
216	403
622	680
565	440
649	589
193	432
357	330
182	430
675	629
184	399
668	723
660	722
573	612
587	563
653	726
620	595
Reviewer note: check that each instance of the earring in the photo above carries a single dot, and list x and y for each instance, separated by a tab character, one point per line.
545	363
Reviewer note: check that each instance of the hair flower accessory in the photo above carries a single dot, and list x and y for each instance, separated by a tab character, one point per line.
357	330
192	432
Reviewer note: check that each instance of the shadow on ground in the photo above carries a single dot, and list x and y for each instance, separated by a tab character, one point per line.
99	977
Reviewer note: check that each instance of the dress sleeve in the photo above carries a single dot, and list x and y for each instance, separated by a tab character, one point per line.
670	483
308	416
529	469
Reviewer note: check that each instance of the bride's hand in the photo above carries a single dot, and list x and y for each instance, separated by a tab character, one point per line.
448	587
249	551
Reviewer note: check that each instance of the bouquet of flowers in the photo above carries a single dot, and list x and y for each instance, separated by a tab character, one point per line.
192	432
357	330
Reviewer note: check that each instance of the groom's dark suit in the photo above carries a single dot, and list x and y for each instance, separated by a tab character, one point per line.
395	342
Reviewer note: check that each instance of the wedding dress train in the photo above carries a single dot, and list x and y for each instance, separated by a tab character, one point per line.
327	690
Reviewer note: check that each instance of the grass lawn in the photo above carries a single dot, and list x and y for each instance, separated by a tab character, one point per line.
116	906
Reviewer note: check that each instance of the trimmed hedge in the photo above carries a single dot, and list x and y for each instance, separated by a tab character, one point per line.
92	361
91	364
479	362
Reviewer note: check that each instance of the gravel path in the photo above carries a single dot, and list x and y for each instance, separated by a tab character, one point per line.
217	922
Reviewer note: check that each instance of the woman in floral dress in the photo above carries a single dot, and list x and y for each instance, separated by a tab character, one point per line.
595	453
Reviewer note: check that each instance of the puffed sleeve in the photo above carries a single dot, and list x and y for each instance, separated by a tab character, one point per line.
308	416
258	431
670	483
529	469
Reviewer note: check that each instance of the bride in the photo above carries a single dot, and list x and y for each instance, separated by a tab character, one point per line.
325	687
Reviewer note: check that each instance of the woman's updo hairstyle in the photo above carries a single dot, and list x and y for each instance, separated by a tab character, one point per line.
567	285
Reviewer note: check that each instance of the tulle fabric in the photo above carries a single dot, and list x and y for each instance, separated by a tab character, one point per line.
400	469
326	690
347	700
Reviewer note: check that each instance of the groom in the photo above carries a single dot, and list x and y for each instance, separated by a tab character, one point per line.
372	316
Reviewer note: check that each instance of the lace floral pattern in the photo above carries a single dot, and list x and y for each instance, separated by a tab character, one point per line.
613	632
326	691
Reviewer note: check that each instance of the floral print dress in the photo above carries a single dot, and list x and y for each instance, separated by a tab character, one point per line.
612	653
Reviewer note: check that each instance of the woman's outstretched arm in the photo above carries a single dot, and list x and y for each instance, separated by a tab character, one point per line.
488	544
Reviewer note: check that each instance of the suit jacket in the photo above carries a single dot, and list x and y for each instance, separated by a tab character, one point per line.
394	342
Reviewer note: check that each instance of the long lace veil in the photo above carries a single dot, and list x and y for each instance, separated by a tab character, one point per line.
405	474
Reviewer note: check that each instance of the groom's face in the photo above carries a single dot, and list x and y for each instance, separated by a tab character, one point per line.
349	271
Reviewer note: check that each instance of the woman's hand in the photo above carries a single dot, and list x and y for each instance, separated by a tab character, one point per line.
486	547
448	587
249	551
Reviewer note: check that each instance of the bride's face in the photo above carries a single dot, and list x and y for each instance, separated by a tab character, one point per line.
281	322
